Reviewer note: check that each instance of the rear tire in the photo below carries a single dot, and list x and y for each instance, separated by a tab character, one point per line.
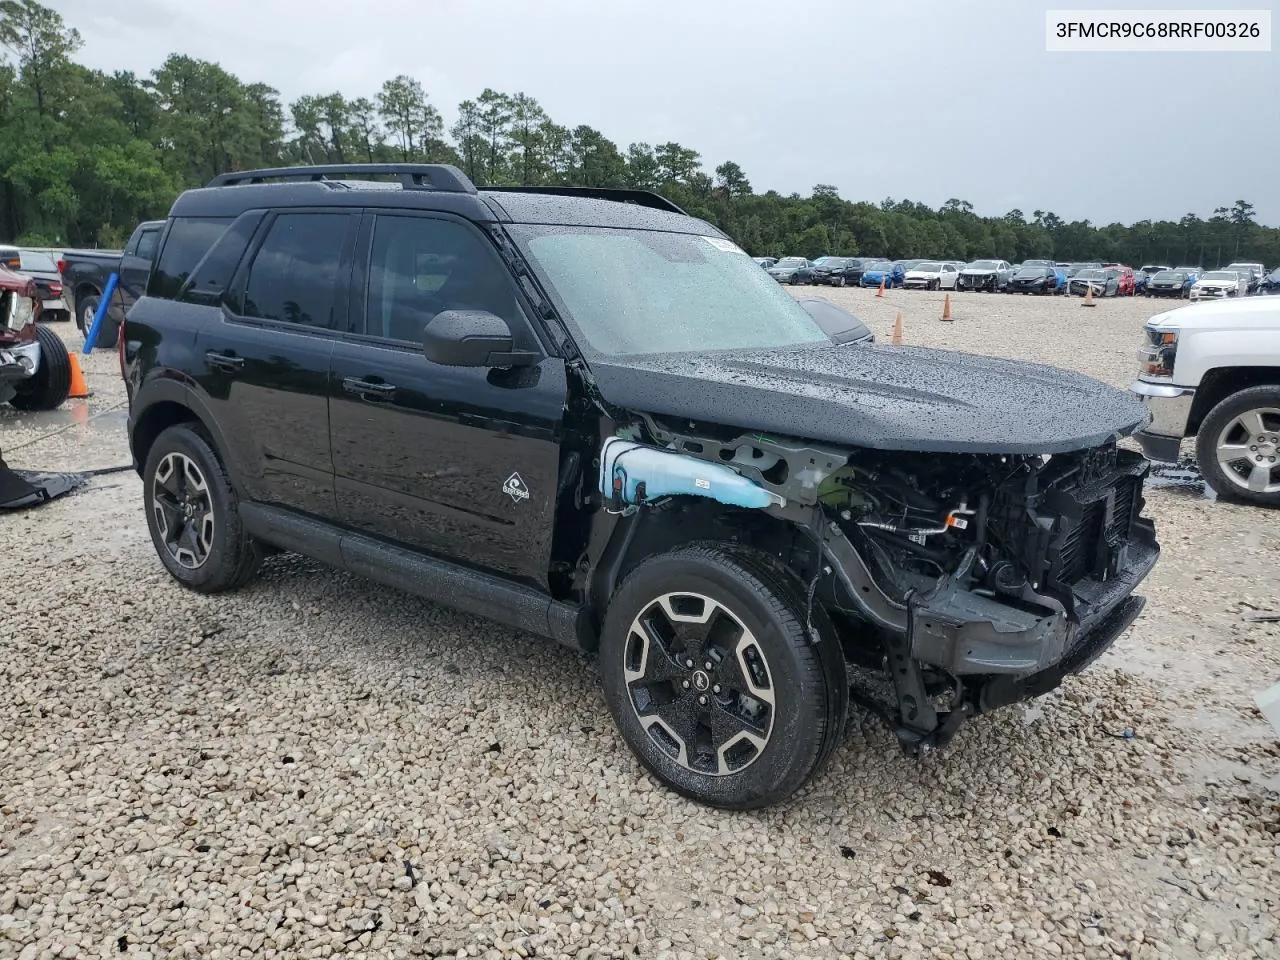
110	332
195	521
763	718
48	389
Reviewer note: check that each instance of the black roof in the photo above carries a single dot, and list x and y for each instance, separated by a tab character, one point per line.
433	187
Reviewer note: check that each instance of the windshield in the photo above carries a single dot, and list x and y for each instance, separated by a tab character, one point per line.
1090	275
1222	275
790	262
642	291
928	266
1243	267
1036	263
833	263
1169	275
877	266
982	265
40	262
1026	272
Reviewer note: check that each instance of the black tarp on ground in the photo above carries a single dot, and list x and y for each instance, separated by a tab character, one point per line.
30	488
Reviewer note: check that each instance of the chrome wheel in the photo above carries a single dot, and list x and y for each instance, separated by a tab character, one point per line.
183	510
1247	449
699	683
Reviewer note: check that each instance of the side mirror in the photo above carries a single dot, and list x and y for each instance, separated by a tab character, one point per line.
471	338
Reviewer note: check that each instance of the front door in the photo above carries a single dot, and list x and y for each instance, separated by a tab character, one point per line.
266	359
461	462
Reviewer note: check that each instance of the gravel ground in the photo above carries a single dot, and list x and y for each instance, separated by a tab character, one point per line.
319	766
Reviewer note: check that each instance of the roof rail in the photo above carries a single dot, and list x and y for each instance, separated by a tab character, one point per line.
643	198
413	176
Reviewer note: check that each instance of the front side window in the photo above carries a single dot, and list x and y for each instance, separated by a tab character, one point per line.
295	273
640	291
421	266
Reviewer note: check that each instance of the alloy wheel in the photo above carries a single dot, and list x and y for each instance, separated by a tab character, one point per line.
183	510
699	683
1248	449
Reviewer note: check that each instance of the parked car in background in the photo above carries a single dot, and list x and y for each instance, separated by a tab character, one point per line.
35	368
1217	284
931	275
1152	269
1075	267
1128	279
1213	372
1143	276
1103	282
1192	272
989	275
1252	272
10	257
1170	283
836	271
909	265
881	271
1270	284
1040	278
43	269
791	270
85	274
765	262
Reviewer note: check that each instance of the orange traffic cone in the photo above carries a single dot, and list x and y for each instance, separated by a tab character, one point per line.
880	292
1088	295
79	388
946	307
897	329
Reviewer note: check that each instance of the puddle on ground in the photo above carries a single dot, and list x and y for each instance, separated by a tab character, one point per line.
80	415
1183	477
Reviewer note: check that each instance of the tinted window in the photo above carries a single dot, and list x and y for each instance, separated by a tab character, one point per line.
421	266
147	244
189	239
294	276
213	274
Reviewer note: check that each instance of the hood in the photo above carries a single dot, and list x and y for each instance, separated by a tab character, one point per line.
1233	314
978	270
924	273
878	397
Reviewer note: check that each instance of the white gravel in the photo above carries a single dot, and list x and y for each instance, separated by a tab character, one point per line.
319	766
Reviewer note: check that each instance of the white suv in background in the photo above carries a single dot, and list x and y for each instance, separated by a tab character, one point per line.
1212	371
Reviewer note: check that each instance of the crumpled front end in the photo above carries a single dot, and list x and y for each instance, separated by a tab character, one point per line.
959	583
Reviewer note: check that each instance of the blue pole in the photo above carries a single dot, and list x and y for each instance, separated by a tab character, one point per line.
91	335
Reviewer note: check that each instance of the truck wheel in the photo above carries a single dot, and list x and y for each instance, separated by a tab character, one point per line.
713	680
193	513
1238	446
48	389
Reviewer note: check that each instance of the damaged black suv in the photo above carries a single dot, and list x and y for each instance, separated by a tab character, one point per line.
588	415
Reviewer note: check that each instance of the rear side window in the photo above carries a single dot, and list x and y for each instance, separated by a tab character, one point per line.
295	275
214	273
189	239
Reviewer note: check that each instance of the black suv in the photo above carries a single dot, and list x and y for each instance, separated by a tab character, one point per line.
588	415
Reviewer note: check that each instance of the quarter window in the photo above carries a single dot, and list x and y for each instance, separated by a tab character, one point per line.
188	240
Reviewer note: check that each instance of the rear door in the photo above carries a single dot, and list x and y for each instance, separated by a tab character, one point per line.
264	361
461	462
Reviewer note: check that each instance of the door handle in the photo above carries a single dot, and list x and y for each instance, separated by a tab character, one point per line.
223	361
367	389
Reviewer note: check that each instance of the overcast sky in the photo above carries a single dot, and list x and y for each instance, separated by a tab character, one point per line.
924	100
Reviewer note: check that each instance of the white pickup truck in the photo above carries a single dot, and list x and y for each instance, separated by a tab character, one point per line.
1212	371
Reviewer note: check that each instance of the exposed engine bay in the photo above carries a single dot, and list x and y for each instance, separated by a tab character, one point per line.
973	580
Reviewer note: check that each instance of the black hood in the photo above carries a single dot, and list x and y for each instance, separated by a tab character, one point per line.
879	397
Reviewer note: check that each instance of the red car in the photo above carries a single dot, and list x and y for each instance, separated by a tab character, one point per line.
35	370
1128	279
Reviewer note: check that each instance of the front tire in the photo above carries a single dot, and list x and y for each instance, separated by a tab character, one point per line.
193	513
48	388
1238	446
712	677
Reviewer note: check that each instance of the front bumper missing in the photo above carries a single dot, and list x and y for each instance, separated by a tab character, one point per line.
18	362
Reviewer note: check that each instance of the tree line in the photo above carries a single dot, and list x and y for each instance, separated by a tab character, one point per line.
85	155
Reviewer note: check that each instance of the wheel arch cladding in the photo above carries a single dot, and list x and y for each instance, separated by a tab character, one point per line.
152	422
1220	383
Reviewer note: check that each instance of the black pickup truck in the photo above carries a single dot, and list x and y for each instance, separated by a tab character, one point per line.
85	273
589	415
